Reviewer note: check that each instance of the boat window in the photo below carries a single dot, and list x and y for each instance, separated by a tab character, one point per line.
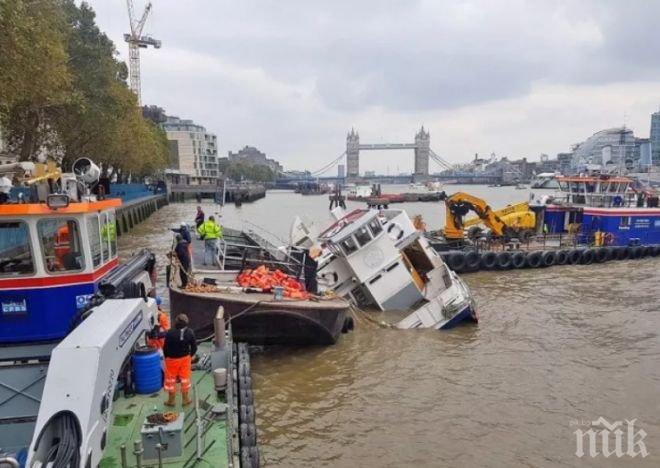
60	243
625	221
348	245
109	232
94	239
362	235
375	227
15	251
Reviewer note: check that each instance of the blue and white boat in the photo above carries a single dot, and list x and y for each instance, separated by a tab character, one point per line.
377	259
602	209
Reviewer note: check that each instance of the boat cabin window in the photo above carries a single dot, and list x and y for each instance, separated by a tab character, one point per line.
375	227
625	221
60	243
102	237
362	235
348	245
94	235
15	251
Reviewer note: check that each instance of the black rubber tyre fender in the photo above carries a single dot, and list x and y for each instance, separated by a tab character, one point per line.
637	252
656	250
248	435
574	256
561	257
250	457
246	414
504	260
601	255
245	382
519	260
548	258
472	261
623	253
611	253
488	260
245	396
648	251
587	256
457	262
533	260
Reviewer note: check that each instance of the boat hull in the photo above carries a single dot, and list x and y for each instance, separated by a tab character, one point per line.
262	322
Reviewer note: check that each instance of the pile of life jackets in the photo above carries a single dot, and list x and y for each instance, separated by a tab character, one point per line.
266	279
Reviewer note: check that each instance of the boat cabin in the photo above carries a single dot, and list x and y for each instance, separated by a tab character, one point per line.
378	258
52	256
602	210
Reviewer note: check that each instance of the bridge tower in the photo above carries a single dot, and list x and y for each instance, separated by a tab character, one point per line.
352	154
422	151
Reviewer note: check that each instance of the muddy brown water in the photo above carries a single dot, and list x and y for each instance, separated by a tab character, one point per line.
555	349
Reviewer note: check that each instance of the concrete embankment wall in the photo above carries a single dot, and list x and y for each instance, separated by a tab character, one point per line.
132	213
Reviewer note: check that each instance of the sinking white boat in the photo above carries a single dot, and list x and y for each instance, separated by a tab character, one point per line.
377	259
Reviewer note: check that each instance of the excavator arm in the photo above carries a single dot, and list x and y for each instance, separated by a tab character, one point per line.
460	204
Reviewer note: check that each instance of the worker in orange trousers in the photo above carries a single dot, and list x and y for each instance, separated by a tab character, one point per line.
156	337
180	347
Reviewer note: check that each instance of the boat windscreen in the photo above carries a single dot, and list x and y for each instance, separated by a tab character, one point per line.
15	251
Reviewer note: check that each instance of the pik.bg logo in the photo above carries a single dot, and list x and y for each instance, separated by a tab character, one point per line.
606	439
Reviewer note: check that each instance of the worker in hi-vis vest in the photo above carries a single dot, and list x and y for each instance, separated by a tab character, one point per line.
210	232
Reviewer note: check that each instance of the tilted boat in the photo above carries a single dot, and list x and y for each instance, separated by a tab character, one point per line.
378	259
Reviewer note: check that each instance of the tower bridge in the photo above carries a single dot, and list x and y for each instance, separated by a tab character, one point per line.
421	147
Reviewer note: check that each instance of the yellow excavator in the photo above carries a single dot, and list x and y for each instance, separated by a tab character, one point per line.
515	220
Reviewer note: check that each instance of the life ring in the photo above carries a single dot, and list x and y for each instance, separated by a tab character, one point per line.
391	228
608	238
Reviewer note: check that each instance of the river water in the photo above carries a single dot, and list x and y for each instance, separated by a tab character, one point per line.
555	349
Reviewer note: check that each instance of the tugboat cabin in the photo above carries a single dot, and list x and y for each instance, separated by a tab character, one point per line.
603	209
57	242
52	255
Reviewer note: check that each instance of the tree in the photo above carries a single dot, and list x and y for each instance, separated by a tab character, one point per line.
34	76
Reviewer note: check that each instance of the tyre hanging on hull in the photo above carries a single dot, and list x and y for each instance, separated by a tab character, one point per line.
561	257
574	257
637	252
548	258
504	260
534	260
601	255
587	256
518	260
488	260
623	253
457	262
472	261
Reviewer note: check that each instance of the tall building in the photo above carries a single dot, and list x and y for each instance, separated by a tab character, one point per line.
341	171
614	146
193	150
252	156
655	138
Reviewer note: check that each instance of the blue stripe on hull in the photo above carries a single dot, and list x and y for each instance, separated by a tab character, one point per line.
465	315
40	314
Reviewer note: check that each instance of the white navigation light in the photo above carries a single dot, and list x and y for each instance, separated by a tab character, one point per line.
86	171
57	200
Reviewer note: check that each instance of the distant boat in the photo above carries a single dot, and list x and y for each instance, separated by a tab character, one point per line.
545	180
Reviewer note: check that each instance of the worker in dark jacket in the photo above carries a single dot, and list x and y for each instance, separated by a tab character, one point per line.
182	250
180	347
199	219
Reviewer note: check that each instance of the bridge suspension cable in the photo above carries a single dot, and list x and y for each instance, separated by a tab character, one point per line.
328	166
440	161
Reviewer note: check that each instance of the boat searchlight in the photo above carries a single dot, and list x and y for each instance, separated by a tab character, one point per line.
57	200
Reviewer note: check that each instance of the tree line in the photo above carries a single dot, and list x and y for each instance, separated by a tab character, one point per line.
64	93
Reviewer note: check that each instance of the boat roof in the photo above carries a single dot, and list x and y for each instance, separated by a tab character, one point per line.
26	209
343	223
600	178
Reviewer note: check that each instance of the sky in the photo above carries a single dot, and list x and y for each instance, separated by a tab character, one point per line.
292	77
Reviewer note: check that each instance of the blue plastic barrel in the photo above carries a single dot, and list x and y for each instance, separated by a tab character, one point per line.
147	373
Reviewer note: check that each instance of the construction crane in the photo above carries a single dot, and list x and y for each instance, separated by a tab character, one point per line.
137	41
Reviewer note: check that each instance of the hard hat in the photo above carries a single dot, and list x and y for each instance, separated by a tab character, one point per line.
159	301
184	224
